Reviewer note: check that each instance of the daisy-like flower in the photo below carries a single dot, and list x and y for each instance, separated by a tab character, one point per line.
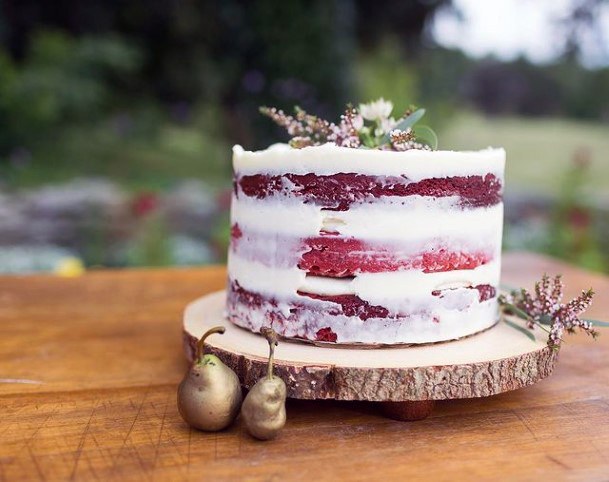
377	110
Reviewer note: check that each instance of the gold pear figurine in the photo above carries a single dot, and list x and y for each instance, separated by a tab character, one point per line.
263	409
209	396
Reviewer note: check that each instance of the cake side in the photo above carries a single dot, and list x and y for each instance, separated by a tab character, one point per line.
365	246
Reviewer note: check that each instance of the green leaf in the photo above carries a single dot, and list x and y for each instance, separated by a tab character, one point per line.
366	137
604	324
517	311
521	329
426	135
405	123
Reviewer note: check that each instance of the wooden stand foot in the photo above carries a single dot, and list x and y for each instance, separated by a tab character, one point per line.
408	411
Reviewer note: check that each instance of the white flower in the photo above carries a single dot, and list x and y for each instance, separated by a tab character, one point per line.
377	110
387	125
357	122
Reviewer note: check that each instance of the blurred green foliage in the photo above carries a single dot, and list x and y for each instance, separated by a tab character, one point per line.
539	150
387	74
62	81
149	93
64	113
164	92
141	150
150	247
572	234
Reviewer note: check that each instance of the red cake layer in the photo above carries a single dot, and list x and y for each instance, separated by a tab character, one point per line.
352	305
340	257
326	334
486	292
338	191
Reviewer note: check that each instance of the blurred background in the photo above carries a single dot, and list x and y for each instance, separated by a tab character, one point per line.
117	117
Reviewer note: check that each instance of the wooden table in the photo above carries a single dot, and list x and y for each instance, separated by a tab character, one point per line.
90	368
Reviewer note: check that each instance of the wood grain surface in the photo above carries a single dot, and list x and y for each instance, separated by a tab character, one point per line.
89	369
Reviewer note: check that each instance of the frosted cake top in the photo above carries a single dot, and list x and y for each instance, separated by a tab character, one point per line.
329	159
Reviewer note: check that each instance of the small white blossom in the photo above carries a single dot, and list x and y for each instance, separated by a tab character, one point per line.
377	110
357	122
387	125
398	132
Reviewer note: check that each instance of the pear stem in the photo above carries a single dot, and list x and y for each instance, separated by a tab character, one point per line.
201	343
271	337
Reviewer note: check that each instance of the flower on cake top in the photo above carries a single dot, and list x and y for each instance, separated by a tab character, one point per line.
376	110
367	126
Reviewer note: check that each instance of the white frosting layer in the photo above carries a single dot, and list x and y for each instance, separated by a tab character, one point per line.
418	218
396	291
331	159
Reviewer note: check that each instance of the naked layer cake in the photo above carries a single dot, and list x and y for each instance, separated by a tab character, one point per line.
365	246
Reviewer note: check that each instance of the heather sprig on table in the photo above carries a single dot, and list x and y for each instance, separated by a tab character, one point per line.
544	308
368	126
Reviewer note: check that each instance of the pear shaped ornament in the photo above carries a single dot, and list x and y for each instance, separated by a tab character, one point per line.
209	396
263	409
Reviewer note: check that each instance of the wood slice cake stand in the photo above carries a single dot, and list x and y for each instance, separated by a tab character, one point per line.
407	380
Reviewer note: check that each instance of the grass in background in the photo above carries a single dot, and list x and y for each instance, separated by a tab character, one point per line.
539	151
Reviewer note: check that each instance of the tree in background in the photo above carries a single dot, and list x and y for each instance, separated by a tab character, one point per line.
400	20
236	54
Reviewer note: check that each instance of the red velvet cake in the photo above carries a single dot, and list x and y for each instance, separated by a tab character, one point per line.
365	246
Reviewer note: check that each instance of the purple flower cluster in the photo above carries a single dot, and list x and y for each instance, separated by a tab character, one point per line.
309	130
346	134
545	307
305	129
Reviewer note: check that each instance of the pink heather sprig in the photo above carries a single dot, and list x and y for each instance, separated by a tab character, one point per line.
280	118
544	307
346	134
305	129
314	128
